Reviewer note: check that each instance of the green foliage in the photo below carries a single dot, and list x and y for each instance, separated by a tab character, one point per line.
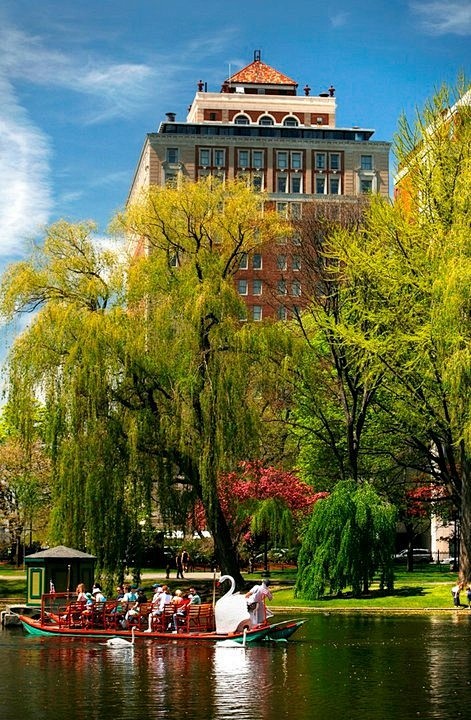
350	536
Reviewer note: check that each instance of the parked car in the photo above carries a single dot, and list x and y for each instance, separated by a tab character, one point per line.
420	555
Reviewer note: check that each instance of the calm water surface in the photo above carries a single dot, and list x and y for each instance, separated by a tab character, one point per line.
336	667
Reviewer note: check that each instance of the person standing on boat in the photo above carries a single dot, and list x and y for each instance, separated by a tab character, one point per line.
256	599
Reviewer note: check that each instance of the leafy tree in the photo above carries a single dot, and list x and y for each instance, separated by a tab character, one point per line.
414	322
145	367
350	537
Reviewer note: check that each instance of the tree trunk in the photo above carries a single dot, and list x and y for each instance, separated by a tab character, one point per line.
225	551
465	526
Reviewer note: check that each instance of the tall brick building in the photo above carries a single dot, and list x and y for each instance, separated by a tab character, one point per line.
258	127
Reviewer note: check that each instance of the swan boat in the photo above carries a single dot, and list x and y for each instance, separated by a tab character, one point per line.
228	619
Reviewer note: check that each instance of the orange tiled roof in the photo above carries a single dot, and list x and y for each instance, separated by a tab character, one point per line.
260	74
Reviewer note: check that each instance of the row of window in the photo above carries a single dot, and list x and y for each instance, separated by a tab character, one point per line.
267	120
256	159
282	287
281	262
256	312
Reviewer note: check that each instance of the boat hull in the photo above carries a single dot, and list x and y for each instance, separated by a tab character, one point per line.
35	627
277	631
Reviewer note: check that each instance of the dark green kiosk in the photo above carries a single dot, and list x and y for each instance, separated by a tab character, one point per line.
59	567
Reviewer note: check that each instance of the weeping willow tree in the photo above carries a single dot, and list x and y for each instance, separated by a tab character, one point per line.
350	536
145	370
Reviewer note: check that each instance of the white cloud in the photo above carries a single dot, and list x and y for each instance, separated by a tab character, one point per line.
339	19
25	193
439	17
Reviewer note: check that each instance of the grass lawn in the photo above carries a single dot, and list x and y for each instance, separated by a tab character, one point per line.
427	587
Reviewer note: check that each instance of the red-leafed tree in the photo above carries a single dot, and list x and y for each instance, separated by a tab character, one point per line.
263	501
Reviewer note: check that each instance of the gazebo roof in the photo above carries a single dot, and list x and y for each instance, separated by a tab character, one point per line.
61	552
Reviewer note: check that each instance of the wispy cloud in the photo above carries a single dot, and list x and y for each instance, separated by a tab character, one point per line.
117	89
438	17
339	18
25	193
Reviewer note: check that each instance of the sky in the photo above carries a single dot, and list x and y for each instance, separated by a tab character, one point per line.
81	83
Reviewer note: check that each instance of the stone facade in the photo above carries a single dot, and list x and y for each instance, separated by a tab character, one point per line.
288	145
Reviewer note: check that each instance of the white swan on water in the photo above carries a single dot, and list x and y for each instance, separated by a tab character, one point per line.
231	609
119	642
233	643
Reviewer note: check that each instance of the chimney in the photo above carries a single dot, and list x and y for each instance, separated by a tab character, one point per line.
170	116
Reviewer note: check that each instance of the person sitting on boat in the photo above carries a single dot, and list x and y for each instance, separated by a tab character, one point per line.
81	594
98	594
256	598
179	602
158	605
194	597
135	609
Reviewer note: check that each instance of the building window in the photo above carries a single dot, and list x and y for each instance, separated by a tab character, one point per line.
171	178
296	183
266	120
281	183
243	158
258	160
205	155
296	160
366	162
320	161
291	122
366	185
242	287
257	261
295	210
173	260
296	288
257	287
334	160
282	209
172	155
281	262
244	261
219	158
281	287
282	312
241	120
257	312
320	185
296	262
334	185
282	160
257	182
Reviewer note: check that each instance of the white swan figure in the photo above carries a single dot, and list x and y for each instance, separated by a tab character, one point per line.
234	643
119	642
231	609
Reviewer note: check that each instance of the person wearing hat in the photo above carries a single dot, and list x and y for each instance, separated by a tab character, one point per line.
256	599
97	594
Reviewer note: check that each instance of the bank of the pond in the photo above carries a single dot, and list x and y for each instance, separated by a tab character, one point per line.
427	589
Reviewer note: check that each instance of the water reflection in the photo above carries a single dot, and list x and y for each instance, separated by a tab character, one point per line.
338	667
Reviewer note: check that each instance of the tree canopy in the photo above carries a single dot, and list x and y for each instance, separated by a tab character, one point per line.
143	365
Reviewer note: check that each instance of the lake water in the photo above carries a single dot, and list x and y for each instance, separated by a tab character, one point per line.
337	667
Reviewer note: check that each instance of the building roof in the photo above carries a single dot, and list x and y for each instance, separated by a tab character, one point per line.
61	552
258	73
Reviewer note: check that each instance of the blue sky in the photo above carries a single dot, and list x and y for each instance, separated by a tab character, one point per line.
81	83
